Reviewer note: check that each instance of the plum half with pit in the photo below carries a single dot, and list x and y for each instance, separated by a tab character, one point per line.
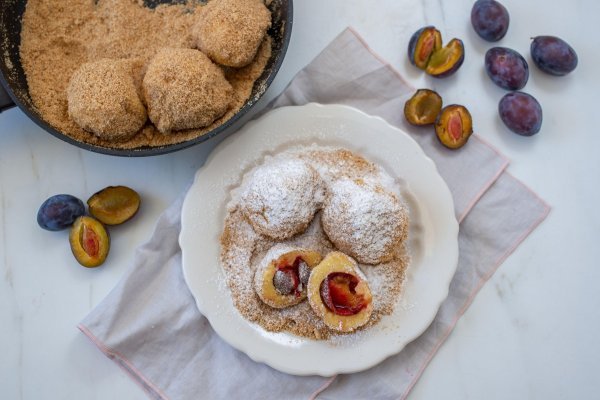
454	126
422	45
59	212
553	55
521	113
89	241
490	20
423	107
506	68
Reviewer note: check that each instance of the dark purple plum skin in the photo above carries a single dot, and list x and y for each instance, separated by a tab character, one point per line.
490	20
553	55
413	43
506	68
59	212
521	113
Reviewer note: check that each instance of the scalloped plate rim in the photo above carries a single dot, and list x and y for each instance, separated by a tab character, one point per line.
322	364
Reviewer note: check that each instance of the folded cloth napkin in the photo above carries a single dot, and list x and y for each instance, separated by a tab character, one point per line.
149	324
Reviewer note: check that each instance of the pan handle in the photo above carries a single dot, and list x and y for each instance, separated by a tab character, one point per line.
5	101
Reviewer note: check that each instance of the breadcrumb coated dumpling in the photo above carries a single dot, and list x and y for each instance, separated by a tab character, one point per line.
103	99
230	31
184	89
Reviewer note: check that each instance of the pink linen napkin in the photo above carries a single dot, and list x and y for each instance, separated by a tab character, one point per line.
149	324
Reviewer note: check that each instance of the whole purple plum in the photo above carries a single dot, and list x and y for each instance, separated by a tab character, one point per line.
521	113
506	68
553	55
490	19
59	212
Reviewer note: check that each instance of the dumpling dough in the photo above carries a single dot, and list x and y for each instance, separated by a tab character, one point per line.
103	99
282	197
365	221
230	31
183	89
281	278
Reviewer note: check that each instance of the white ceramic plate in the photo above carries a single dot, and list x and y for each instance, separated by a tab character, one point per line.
433	236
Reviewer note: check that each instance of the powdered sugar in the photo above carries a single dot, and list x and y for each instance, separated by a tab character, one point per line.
365	220
282	197
243	248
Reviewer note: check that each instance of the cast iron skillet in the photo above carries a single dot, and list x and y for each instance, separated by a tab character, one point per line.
16	91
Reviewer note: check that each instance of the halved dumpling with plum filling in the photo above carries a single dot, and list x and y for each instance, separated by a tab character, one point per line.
282	276
339	293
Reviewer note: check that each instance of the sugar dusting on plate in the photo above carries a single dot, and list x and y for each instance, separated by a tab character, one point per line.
242	248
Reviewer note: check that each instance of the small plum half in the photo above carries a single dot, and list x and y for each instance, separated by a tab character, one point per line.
422	45
423	107
447	60
454	126
114	205
89	241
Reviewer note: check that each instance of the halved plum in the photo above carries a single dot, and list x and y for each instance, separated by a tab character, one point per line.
446	60
454	126
423	107
114	205
89	241
338	292
422	45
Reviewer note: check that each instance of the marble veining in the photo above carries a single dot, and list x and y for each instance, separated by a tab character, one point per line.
91	297
34	165
20	370
442	12
81	165
8	274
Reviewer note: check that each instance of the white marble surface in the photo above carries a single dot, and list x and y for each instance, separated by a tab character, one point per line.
531	333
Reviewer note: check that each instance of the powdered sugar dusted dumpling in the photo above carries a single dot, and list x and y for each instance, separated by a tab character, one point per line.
339	293
282	197
282	276
267	276
364	220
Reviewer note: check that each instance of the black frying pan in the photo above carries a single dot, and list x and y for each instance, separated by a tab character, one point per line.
16	91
